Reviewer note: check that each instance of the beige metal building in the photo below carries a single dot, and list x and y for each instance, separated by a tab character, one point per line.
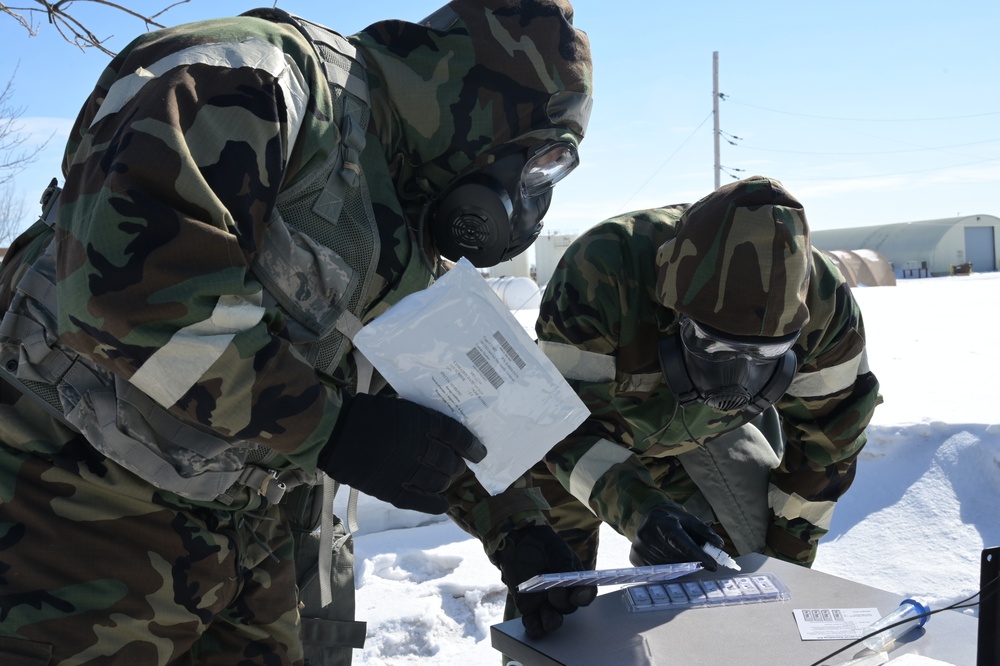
863	268
927	248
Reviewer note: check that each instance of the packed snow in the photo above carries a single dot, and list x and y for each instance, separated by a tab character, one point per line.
922	509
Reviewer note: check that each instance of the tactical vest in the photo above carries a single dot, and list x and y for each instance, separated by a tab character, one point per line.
315	264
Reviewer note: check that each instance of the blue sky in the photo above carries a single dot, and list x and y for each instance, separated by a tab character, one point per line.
869	111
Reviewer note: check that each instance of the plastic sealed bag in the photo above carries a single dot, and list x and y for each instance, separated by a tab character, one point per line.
456	348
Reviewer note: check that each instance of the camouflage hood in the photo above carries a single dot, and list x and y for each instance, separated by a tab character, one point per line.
473	76
740	261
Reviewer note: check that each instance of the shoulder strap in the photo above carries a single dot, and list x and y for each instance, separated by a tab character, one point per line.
346	71
320	35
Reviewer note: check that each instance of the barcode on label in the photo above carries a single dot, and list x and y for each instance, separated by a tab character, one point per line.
511	353
484	368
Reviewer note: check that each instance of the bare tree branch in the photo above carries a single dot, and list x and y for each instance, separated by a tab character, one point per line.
15	153
12	211
59	15
14	157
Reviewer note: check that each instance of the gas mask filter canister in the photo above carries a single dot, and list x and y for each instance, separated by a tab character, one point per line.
493	214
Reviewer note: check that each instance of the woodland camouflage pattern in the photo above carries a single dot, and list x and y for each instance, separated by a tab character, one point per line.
154	579
604	298
190	212
171	173
746	273
535	88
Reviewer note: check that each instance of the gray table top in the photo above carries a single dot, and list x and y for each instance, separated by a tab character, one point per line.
606	632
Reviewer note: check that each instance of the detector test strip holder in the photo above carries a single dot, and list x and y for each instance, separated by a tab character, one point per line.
723	591
654	588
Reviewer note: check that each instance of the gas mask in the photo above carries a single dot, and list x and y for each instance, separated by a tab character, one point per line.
495	213
727	373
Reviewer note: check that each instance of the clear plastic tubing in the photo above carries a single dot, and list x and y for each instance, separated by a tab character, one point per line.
909	608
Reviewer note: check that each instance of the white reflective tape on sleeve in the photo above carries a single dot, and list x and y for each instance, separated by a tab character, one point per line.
794	506
575	363
829	380
601	457
180	364
250	53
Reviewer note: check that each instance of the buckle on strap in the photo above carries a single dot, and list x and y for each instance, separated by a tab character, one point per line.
265	481
48	200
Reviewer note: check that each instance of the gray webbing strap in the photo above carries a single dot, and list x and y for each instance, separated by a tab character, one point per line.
347	324
36	347
352	511
38	287
265	482
352	84
330	488
366	371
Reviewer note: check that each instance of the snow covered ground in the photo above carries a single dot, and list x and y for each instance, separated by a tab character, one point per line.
923	507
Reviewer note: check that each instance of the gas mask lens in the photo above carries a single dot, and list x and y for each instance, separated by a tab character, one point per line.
548	166
712	345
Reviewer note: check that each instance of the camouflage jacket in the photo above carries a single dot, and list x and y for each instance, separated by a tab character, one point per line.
190	137
601	305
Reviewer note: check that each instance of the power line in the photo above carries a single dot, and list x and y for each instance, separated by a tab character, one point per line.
670	157
915	147
865	120
879	152
859	133
732	140
901	173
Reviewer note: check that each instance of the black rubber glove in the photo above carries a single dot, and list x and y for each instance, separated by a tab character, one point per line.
399	451
669	535
532	550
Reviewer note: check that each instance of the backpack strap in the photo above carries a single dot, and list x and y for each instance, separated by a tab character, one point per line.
326	564
357	104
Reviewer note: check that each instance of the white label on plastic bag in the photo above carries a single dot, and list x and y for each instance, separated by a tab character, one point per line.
456	348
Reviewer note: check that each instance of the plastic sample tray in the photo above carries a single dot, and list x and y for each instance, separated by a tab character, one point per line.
725	591
648	574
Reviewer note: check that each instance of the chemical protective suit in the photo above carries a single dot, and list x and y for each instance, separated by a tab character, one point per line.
723	362
240	195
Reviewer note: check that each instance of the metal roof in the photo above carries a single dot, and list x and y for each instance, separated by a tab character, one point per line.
903	238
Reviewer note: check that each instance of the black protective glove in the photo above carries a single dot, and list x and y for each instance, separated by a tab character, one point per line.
669	535
398	451
532	550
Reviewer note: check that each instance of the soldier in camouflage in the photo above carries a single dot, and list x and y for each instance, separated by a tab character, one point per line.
723	362
240	195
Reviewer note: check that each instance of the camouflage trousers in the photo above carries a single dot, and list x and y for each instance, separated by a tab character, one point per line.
98	567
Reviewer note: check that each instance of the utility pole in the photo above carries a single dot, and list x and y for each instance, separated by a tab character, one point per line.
715	112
